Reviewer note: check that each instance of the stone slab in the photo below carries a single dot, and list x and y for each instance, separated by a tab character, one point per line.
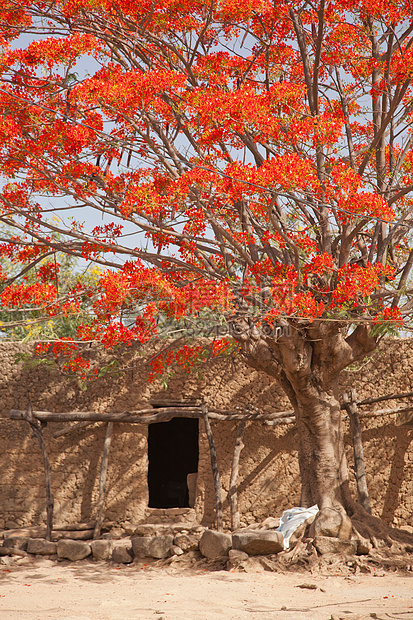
102	549
214	544
258	542
73	549
328	544
39	546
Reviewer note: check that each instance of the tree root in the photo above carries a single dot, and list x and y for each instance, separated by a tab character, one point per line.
391	549
379	533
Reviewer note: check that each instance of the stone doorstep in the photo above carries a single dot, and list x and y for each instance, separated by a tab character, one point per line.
170	512
161	529
170	515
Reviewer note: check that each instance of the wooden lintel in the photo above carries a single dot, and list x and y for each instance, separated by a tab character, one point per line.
140	417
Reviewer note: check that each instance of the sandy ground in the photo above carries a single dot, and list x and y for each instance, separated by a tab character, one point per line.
47	590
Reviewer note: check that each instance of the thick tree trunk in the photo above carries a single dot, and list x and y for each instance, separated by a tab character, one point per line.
306	362
322	459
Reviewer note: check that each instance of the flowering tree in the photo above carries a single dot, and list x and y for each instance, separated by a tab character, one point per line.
252	160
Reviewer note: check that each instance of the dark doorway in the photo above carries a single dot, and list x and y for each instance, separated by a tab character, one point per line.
173	454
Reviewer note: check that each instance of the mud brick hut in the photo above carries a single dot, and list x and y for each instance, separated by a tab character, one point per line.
162	471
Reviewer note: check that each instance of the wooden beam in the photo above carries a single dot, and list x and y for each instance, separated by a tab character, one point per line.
370	401
382	412
147	416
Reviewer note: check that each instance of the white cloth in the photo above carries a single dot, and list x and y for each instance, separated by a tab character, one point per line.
291	519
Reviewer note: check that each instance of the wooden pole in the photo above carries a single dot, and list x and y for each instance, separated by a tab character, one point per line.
233	493
370	401
349	401
37	428
214	467
100	511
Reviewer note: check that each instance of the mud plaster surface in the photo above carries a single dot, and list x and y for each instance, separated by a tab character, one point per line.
45	590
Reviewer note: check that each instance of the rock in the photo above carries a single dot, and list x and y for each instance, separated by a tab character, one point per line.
12	551
215	544
73	549
331	522
129	528
122	552
258	542
236	556
41	547
328	544
158	547
24	561
114	534
187	542
270	523
12	525
162	529
250	565
16	542
152	529
364	546
171	516
140	546
102	549
73	535
175	550
26	532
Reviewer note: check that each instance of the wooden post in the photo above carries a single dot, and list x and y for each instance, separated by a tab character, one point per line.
37	428
350	404
100	510
232	493
214	467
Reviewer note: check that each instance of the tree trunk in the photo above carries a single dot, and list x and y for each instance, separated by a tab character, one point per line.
322	459
306	362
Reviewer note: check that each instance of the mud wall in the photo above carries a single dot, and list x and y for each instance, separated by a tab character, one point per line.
269	477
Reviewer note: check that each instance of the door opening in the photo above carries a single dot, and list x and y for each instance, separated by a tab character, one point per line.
173	454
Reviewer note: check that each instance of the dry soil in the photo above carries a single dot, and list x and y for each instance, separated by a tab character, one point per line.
47	590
